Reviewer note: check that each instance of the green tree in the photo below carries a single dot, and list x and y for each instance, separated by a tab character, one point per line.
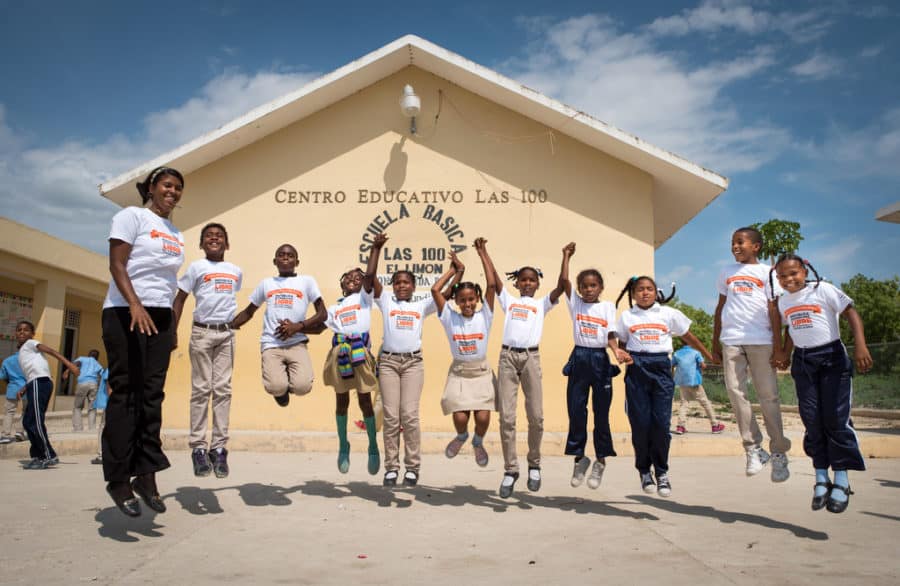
878	304
779	237
701	323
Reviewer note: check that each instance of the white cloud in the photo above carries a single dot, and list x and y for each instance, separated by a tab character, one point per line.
869	151
625	79
835	262
713	16
819	66
678	274
873	51
48	187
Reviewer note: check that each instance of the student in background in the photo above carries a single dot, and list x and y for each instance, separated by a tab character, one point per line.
688	365
85	389
15	380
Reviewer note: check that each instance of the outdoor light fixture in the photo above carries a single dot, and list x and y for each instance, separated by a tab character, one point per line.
410	105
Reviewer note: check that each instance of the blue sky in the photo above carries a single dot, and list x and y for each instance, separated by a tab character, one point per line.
797	103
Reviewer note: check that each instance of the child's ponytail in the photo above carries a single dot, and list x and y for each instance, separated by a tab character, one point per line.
627	289
803	262
661	297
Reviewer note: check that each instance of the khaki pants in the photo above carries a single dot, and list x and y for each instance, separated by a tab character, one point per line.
212	360
524	367
694	393
287	370
84	393
8	418
101	422
401	377
739	361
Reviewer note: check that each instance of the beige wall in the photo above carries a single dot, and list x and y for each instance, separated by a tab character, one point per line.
363	142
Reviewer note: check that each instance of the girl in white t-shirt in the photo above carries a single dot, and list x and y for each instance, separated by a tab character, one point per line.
471	388
350	364
286	366
588	367
401	374
214	283
520	362
822	373
646	330
37	391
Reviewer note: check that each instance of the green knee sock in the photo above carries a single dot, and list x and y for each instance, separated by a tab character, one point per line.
342	432
372	433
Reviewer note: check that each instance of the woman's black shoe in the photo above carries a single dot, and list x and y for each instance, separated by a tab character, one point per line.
838	506
151	499
120	495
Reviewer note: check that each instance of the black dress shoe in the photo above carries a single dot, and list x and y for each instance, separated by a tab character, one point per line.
818	502
128	505
151	500
834	506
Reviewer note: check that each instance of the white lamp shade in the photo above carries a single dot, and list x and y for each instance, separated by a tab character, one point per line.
410	104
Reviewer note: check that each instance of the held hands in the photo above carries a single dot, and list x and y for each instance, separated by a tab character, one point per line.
862	358
780	359
142	320
717	352
623	357
457	264
286	328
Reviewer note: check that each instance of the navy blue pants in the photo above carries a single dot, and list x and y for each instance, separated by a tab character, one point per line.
649	389
822	376
37	393
589	369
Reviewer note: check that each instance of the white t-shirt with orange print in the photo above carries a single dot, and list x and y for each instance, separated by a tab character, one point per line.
812	314
651	329
524	322
745	316
591	322
157	252
403	322
285	298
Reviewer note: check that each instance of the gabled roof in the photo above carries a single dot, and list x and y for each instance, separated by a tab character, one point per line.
681	188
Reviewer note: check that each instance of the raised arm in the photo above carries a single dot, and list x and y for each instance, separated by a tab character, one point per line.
370	280
563	284
447	293
861	355
490	275
438	287
119	251
498	282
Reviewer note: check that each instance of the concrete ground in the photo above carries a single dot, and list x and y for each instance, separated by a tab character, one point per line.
290	517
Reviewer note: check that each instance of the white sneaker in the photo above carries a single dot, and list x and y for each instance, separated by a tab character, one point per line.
581	468
663	486
596	474
757	458
647	484
780	471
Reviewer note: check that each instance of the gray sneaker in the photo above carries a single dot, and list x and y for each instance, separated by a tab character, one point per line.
596	474
780	471
6	440
581	468
219	459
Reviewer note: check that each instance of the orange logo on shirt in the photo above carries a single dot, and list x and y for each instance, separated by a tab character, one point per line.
660	327
212	276
414	314
154	234
591	319
754	280
813	308
521	306
468	336
298	294
346	309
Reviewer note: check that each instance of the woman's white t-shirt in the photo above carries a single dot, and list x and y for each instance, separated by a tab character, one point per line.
468	336
651	330
285	298
812	314
32	361
214	285
157	252
591	322
403	322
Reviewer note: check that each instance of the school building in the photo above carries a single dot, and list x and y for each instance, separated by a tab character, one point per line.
333	163
56	285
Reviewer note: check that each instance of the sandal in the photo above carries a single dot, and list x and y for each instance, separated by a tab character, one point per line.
818	502
834	506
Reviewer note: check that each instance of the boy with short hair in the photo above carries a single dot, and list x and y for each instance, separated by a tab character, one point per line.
86	389
744	335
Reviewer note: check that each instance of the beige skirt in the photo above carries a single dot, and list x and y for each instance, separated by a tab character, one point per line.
363	379
471	386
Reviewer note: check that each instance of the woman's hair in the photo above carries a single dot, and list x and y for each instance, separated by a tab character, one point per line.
632	283
410	274
803	263
589	273
27	323
153	178
515	274
213	225
468	285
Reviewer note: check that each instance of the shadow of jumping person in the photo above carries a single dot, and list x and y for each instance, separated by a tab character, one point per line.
115	525
887	483
728	516
197	501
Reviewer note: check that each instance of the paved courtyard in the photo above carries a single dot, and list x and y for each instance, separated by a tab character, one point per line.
292	518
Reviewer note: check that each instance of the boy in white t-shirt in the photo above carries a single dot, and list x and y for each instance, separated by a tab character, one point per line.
743	339
520	362
214	283
37	390
286	366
